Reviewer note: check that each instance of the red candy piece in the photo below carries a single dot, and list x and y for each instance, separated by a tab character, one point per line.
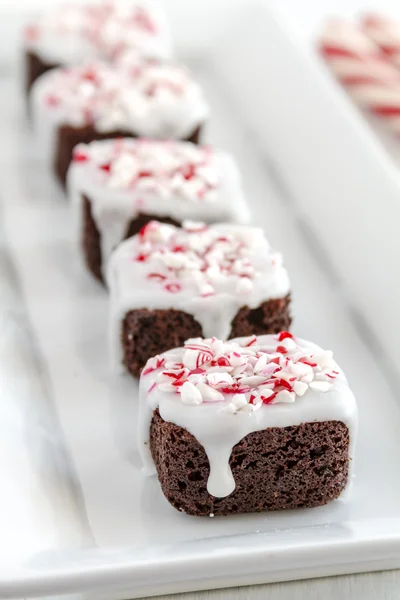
156	276
32	33
142	20
158	365
178	383
189	172
307	362
79	156
269	399
222	361
207	294
173	288
284	335
198	371
145	228
275	360
281	349
90	76
52	100
283	383
175	376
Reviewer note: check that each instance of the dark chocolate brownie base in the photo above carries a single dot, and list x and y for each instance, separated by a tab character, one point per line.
146	333
140	343
90	237
68	137
34	67
278	468
272	316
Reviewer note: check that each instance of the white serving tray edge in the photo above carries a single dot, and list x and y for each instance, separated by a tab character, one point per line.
252	562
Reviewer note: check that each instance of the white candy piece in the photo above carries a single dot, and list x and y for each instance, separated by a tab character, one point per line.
252	380
261	363
209	394
320	386
193	358
284	397
300	388
219	378
190	394
237	404
244	285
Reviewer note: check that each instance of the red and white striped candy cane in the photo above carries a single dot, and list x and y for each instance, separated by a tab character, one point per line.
359	64
385	33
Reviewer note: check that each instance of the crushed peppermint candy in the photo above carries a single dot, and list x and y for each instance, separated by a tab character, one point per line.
114	96
165	168
243	374
104	28
207	260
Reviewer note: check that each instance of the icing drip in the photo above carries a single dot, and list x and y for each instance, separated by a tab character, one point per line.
222	391
71	33
209	272
180	180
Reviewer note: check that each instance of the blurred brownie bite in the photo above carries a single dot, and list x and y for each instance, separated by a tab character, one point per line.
117	186
99	101
71	33
168	284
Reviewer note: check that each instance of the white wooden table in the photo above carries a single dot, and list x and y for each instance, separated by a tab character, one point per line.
368	586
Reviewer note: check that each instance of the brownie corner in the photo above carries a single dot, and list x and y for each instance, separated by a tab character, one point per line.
272	316
146	333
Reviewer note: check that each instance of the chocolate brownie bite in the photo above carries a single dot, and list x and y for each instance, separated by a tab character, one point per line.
97	101
254	424
168	283
117	186
70	33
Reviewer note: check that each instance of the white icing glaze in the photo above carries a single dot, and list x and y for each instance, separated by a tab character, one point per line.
219	424
71	32
123	178
150	100
208	272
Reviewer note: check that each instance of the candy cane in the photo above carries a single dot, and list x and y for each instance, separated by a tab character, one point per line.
363	69
385	33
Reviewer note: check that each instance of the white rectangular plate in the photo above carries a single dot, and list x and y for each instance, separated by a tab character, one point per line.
76	514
